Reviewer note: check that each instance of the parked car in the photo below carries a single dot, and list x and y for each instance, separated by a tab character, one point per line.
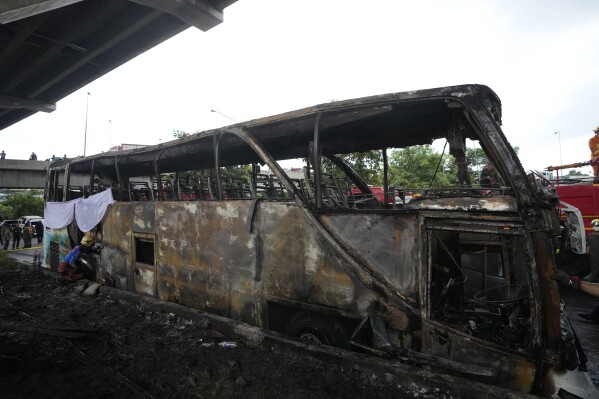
8	222
29	220
26	220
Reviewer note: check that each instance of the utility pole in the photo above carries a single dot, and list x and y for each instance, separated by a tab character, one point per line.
86	109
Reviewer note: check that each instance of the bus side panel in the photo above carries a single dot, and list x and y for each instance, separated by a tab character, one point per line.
389	244
207	258
476	357
299	265
229	257
115	257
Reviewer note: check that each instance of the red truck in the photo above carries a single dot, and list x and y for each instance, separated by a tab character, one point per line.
584	196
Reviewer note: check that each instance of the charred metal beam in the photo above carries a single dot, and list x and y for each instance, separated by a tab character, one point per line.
353	176
316	162
385	178
157	173
457	148
215	143
91	179
246	136
118	176
55	184
67	182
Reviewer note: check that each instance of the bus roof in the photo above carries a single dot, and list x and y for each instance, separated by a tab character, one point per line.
393	120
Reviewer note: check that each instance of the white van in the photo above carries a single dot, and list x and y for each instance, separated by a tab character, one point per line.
26	220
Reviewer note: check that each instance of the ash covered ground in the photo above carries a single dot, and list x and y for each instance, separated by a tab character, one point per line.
56	343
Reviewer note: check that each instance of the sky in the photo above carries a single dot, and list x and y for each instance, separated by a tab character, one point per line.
271	56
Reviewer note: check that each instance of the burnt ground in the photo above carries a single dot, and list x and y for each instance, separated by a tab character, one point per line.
55	343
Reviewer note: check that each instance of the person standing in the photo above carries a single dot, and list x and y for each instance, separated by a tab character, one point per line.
2	155
5	237
16	236
27	235
594	147
39	231
33	157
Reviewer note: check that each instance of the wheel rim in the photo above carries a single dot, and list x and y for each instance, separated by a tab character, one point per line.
313	337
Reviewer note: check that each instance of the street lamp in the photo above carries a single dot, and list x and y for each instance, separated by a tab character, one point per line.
559	138
110	137
220	113
86	108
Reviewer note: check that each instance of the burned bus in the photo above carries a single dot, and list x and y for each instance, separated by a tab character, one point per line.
459	278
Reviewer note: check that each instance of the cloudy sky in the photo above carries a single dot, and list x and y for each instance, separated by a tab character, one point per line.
270	56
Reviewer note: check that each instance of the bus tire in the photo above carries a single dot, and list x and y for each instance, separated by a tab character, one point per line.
314	328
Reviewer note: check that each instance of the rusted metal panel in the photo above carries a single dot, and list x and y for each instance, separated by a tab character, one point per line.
205	253
503	204
492	364
142	219
297	264
389	245
116	237
549	295
206	257
144	279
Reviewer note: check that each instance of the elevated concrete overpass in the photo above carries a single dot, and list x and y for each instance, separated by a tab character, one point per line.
51	48
16	173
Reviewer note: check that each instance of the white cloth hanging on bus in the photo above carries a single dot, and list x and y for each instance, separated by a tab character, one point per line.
58	215
90	211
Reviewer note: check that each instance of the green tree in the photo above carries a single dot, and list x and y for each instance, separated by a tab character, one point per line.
477	159
179	134
575	172
368	165
239	172
415	166
22	203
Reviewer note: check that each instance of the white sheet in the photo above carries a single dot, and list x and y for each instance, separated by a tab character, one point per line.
90	211
58	215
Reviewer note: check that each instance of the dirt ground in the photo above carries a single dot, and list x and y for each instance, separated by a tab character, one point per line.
55	343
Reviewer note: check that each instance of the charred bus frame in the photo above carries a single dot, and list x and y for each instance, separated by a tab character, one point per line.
459	278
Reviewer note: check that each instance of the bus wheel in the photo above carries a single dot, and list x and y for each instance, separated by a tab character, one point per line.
316	329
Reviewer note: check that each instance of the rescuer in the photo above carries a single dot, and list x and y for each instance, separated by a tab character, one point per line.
589	284
594	147
72	268
27	235
577	284
5	237
16	236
